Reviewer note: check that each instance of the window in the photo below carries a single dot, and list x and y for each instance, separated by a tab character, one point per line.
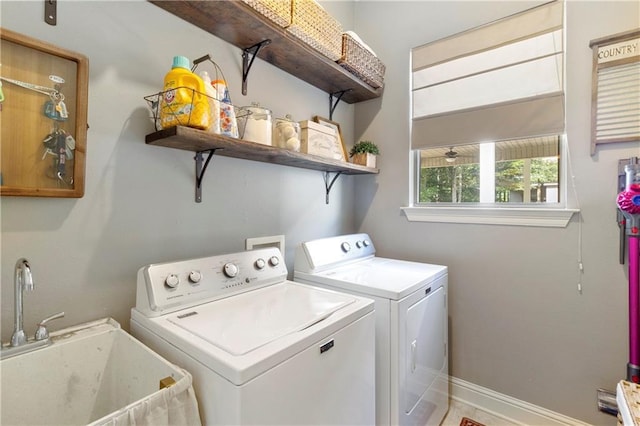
507	172
488	114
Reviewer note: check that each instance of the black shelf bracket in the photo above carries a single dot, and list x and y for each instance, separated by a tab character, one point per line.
247	61
51	12
332	104
200	171
328	184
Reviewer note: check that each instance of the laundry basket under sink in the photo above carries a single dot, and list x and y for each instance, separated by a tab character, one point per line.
95	373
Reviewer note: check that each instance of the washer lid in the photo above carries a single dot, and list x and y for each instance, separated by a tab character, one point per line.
388	278
243	323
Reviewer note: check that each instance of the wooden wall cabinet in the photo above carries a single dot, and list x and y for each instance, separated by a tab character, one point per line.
33	75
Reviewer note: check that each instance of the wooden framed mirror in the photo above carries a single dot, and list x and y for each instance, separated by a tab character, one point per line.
43	118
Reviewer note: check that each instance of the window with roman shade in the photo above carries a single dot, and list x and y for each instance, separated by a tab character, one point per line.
488	124
501	81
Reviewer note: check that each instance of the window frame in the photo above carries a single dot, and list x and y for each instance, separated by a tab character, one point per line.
553	215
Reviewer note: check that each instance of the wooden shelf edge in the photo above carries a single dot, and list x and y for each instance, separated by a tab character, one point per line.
189	139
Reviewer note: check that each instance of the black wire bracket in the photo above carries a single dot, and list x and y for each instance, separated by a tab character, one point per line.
200	171
248	62
333	105
328	185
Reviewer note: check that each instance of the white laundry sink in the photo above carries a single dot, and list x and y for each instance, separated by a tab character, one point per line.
94	373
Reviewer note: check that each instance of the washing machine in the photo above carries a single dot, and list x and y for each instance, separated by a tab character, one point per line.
262	350
412	369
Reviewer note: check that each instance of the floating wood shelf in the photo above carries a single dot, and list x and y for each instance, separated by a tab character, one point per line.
199	141
240	25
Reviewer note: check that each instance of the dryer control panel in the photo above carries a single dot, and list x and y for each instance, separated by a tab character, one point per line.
325	253
171	286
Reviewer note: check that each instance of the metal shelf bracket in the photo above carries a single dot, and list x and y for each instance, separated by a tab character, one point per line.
328	184
50	12
200	171
332	104
247	61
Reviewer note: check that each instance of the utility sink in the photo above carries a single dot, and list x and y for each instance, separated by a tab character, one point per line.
94	373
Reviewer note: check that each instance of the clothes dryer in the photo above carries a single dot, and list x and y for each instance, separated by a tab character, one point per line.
412	386
262	350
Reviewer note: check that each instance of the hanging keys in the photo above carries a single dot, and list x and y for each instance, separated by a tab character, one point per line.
61	107
55	108
62	110
61	150
71	145
50	143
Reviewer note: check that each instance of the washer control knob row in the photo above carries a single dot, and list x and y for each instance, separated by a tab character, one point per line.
230	269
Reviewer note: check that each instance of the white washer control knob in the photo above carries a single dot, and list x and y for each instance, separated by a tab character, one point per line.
345	247
260	263
366	243
172	281
359	244
230	270
274	261
195	277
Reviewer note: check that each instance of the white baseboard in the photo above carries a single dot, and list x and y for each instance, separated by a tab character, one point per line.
506	407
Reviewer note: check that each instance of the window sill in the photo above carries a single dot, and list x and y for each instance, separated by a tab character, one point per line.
520	216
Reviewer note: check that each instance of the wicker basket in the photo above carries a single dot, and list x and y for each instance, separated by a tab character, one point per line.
361	62
314	26
277	11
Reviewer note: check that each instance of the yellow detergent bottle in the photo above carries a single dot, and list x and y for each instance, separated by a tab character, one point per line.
183	101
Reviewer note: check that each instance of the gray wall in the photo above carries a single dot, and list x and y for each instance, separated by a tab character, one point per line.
518	324
139	203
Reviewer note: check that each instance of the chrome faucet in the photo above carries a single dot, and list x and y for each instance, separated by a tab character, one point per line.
23	281
19	342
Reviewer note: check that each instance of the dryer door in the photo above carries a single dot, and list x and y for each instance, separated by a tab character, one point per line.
425	345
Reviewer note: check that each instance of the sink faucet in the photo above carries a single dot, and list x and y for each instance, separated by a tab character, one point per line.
23	280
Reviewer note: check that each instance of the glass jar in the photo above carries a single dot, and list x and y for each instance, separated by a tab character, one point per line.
286	133
257	124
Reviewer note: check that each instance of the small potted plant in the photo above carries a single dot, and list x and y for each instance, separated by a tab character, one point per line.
364	153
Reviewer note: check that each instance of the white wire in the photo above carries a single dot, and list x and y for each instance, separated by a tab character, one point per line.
577	204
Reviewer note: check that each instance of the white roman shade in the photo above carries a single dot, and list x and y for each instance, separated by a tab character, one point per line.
616	89
497	82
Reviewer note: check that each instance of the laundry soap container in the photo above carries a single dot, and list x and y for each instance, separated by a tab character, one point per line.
256	123
286	133
184	101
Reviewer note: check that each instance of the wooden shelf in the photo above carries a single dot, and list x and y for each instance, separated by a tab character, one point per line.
240	25
189	139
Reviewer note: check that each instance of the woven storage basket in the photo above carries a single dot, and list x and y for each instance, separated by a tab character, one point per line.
277	11
361	62
314	26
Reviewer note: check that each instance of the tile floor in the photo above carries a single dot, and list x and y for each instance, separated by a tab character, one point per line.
458	410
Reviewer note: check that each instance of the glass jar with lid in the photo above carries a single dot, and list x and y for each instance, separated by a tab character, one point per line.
257	124
286	133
